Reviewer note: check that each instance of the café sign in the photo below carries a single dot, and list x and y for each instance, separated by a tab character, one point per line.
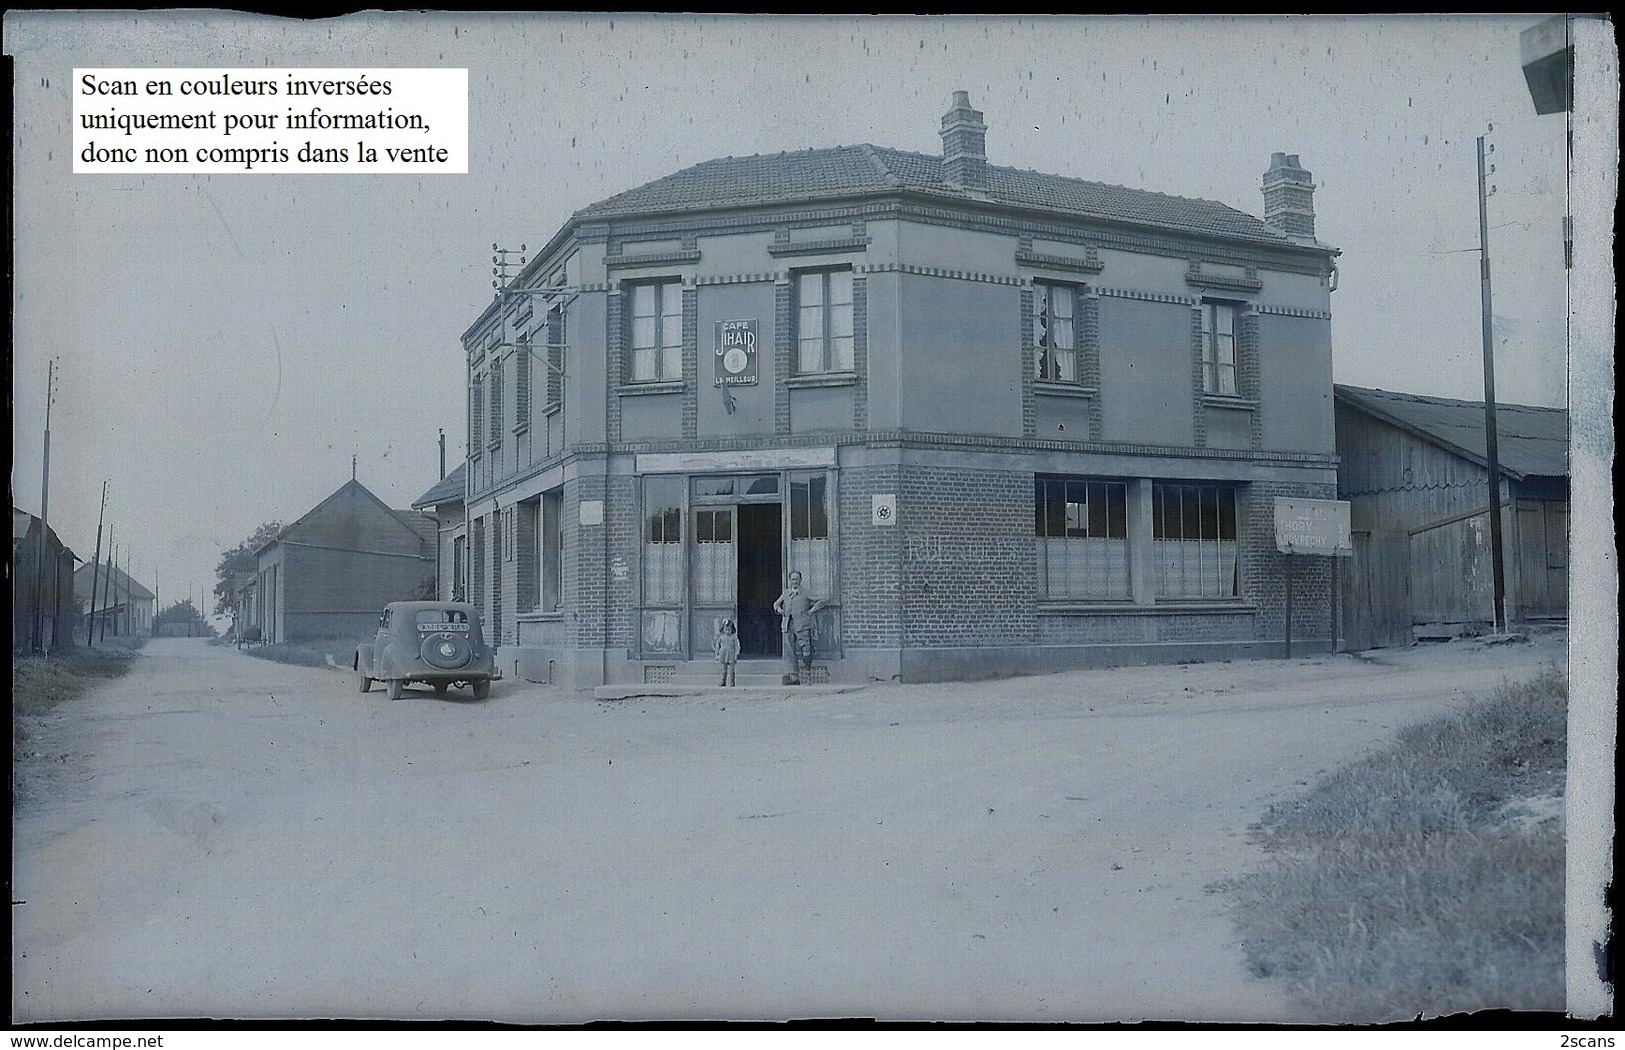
734	363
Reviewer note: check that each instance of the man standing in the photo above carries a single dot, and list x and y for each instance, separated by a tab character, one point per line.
796	611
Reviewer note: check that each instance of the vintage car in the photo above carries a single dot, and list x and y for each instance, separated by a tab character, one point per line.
437	643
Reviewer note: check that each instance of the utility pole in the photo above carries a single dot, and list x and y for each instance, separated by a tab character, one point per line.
44	516
95	570
1491	446
107	584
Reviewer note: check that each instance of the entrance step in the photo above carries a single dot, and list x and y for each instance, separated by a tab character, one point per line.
712	689
702	677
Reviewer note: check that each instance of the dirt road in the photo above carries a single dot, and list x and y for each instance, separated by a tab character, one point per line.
220	836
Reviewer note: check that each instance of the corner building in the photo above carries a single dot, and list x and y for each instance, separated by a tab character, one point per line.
1004	421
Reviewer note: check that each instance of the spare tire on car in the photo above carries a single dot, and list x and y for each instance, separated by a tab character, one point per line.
446	651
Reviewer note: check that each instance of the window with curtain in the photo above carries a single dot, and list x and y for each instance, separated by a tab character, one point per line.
657	332
824	340
1193	531
662	540
1082	530
1054	332
809	533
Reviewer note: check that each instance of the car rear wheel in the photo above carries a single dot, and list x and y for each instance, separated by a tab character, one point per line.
482	689
362	681
394	687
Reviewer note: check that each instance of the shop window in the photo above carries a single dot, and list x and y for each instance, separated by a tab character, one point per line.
809	533
1194	540
550	536
662	540
657	332
459	568
1082	530
824	340
476	585
1055	332
1219	326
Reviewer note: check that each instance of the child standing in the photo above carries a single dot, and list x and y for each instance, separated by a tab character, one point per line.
727	650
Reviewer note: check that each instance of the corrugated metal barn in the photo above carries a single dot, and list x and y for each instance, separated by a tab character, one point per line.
1416	475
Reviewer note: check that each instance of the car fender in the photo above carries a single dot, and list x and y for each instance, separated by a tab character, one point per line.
364	659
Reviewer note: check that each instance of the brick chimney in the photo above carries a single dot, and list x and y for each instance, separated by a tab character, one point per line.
964	145
1289	196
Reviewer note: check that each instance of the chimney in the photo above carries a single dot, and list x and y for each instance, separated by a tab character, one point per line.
964	145
1289	196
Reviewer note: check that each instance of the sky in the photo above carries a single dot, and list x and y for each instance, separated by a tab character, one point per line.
227	343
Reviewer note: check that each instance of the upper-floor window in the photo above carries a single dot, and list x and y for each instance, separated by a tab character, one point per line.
555	356
1219	346
824	341
476	413
657	332
521	382
495	434
1054	332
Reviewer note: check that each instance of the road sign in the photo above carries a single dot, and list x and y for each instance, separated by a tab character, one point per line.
1313	526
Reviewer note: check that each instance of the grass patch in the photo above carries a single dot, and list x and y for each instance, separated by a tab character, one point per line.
1427	879
39	685
312	653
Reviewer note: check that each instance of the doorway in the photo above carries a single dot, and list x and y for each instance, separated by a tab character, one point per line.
760	578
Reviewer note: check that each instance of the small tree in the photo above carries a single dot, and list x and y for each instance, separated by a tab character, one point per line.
239	559
183	612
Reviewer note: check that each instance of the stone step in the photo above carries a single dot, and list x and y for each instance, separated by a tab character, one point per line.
714	677
656	689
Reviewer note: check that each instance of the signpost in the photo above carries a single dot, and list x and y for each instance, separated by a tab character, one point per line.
1312	526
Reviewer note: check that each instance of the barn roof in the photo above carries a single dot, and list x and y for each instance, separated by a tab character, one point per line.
1531	441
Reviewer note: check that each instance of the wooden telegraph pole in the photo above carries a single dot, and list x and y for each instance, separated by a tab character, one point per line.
107	582
95	570
1491	449
44	518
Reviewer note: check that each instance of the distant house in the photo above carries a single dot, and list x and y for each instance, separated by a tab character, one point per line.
42	609
1415	472
444	501
121	603
328	574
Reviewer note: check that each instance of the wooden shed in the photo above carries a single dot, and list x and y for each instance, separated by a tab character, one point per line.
1415	473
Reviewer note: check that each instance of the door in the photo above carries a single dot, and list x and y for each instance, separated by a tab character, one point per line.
760	577
1375	590
1542	546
